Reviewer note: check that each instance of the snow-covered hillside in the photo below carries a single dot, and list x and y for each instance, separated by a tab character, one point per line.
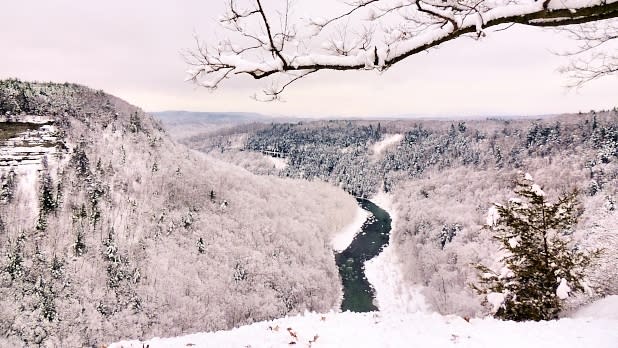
377	329
125	233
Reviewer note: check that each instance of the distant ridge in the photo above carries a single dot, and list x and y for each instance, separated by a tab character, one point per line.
174	117
179	116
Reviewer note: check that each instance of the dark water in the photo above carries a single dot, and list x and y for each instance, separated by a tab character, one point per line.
358	294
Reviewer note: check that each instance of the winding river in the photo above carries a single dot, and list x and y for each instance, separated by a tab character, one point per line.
358	294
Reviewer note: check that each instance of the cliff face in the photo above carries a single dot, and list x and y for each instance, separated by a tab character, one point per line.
109	229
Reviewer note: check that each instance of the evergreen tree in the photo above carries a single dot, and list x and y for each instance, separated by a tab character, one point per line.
47	202
15	258
135	124
201	246
80	160
79	247
541	265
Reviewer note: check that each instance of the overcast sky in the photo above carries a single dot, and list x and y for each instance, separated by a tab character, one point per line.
132	49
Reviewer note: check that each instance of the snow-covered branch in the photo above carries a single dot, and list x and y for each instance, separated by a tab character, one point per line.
268	39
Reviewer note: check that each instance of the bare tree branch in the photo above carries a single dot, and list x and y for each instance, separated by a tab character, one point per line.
595	54
260	49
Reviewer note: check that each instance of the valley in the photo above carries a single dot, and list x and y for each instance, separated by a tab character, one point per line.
443	176
112	227
315	174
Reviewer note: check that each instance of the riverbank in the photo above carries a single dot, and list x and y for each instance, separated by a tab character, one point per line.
384	273
346	235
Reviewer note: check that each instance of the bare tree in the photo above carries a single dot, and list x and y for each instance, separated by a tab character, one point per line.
272	42
596	52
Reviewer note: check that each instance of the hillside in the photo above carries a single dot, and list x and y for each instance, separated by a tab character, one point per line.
120	232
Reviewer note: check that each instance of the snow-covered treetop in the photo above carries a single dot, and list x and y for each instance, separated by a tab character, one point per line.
271	40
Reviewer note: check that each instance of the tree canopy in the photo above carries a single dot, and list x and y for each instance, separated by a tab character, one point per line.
268	40
541	266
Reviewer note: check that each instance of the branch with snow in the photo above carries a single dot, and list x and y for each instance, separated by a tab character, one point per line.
267	40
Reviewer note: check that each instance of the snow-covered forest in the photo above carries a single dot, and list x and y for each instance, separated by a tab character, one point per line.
324	173
444	176
111	230
117	231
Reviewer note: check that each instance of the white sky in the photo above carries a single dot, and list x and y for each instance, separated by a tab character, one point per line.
132	49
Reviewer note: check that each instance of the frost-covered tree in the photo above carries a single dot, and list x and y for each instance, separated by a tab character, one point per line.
201	246
47	202
7	186
268	40
80	160
14	266
541	265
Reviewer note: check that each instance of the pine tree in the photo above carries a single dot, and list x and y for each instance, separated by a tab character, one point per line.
201	246
541	265
80	160
47	202
135	124
15	258
79	247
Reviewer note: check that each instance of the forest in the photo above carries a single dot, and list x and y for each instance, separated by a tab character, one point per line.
444	176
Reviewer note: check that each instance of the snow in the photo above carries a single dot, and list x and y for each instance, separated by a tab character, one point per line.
496	299
398	330
391	293
389	140
513	242
563	289
605	308
537	190
279	163
528	177
28	175
492	216
385	276
345	237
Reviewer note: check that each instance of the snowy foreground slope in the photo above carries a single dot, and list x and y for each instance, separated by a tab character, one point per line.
377	329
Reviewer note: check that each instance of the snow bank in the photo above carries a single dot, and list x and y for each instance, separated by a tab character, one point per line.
403	330
496	299
385	201
384	273
279	163
563	289
345	237
605	308
392	296
389	140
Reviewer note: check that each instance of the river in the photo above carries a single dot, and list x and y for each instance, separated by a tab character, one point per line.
358	294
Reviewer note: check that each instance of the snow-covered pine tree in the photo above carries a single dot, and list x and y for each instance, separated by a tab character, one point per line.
201	246
541	264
